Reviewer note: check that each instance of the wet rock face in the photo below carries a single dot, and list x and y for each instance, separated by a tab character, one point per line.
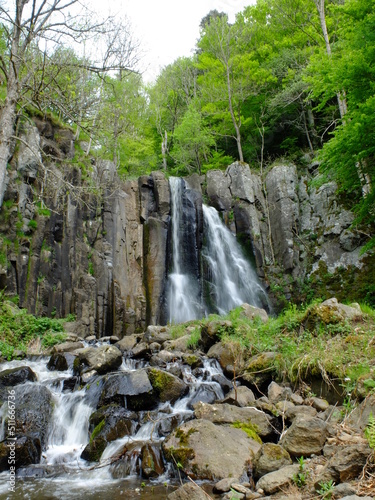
15	376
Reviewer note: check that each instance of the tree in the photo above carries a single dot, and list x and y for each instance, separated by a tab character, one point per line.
230	76
192	142
33	22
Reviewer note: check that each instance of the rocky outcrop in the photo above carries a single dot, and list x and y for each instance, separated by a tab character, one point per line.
103	253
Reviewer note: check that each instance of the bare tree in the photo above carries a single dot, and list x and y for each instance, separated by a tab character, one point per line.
26	24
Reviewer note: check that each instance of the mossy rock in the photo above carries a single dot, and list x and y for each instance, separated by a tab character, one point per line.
261	368
167	387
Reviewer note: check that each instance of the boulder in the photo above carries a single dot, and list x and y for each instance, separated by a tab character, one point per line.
127	343
16	376
278	480
61	361
278	393
106	425
102	359
346	462
229	414
260	368
303	412
166	386
212	331
34	411
317	403
131	389
305	437
242	396
67	347
208	451
270	457
158	334
252	312
225	357
188	491
180	344
330	311
151	461
27	450
359	418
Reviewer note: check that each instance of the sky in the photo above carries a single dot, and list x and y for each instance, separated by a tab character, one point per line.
167	29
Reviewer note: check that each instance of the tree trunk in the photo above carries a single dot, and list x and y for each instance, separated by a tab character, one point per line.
341	100
234	121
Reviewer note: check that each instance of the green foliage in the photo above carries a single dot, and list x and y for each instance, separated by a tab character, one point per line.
18	328
300	478
370	431
33	224
326	489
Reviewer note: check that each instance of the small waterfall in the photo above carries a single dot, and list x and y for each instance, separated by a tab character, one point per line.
231	279
184	294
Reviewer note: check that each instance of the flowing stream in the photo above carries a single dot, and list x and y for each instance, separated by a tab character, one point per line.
62	474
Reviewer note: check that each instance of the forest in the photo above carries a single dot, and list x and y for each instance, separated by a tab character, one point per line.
289	78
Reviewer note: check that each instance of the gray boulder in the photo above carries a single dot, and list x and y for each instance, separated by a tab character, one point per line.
278	480
208	451
270	457
229	414
188	491
102	359
305	437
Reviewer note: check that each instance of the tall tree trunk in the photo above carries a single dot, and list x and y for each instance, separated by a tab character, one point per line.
341	100
233	116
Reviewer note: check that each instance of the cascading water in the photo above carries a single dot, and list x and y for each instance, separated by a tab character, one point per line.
63	474
184	295
231	279
228	279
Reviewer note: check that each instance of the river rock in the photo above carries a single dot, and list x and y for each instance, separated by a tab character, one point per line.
270	457
67	347
179	345
106	425
158	334
241	396
127	343
15	376
166	386
133	387
278	393
188	491
305	437
359	417
318	403
103	359
229	414
27	451
208	451
151	461
34	405
61	361
278	480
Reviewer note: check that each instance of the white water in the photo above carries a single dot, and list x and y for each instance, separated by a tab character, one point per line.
184	293
233	281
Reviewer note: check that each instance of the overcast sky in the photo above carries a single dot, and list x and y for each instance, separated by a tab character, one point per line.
167	29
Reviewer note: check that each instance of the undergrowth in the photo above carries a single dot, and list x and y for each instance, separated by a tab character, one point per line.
342	350
18	329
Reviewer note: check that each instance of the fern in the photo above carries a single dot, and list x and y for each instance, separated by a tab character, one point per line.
370	431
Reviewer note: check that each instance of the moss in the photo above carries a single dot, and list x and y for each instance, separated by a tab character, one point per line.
183	436
180	455
160	381
250	429
97	430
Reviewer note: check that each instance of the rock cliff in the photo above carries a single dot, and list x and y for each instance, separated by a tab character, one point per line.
77	239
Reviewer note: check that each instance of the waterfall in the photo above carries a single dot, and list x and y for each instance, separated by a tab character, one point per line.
231	279
228	281
184	294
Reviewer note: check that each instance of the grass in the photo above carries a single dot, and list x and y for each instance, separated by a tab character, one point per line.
342	351
18	329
